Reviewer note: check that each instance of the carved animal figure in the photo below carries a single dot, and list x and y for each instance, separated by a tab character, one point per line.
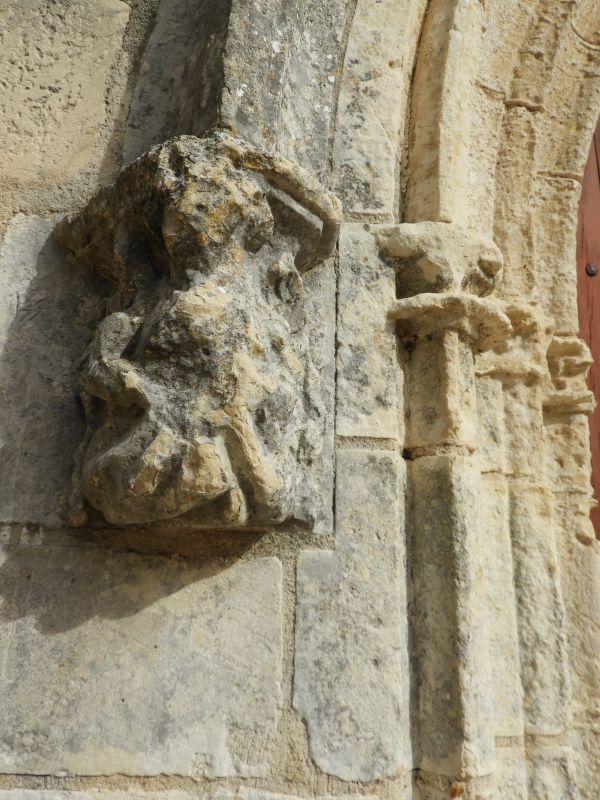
200	395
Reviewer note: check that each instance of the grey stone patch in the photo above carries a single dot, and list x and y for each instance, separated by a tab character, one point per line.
138	665
268	73
511	772
351	665
372	103
367	363
180	82
451	654
280	74
48	310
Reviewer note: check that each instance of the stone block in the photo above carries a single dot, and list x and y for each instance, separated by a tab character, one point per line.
47	314
511	773
367	362
567	448
523	423
373	96
351	678
498	580
217	794
491	432
551	774
179	85
281	69
55	63
541	611
555	219
453	710
139	665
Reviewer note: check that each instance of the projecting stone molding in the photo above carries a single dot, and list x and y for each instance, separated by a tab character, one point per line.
203	384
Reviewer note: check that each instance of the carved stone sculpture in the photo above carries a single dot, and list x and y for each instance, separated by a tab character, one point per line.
201	397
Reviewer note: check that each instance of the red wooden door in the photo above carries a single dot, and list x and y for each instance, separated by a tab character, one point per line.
588	295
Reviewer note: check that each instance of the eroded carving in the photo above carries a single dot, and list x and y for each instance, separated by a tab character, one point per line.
201	396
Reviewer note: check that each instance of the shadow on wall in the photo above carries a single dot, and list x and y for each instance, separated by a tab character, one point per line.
48	311
180	78
63	578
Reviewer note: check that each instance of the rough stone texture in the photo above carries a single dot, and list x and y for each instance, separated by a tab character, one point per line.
507	690
454	705
281	70
55	59
511	767
181	75
267	72
219	794
139	665
541	612
367	362
455	133
373	94
351	677
201	397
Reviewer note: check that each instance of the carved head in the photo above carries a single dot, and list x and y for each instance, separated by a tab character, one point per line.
201	398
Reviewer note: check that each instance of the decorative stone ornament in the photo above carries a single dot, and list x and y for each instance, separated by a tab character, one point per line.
201	389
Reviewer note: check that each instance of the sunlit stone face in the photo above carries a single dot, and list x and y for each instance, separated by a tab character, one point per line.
202	401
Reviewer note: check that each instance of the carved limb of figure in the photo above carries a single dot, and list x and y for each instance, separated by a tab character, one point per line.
198	386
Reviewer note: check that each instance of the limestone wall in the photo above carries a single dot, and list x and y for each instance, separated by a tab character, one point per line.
438	635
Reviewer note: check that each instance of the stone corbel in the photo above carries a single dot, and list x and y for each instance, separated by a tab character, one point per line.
202	398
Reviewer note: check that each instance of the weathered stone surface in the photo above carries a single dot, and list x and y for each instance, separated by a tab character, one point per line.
351	677
439	257
55	60
367	361
511	770
201	397
47	314
541	611
373	93
468	120
501	603
281	70
180	80
451	652
551	773
222	793
491	430
139	665
556	200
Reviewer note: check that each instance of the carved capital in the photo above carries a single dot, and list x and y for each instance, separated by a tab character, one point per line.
440	257
201	393
569	359
479	321
522	355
